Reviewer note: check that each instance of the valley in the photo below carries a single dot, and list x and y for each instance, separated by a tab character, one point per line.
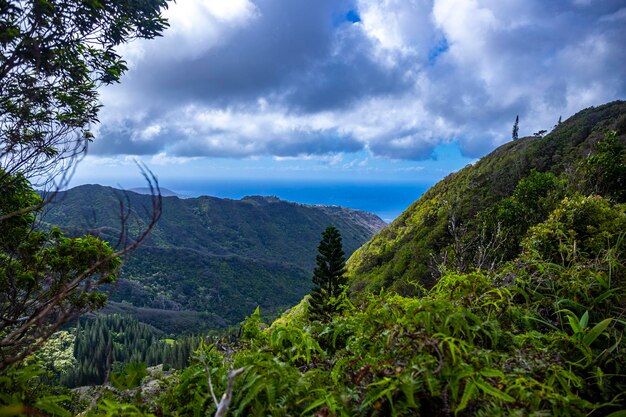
209	261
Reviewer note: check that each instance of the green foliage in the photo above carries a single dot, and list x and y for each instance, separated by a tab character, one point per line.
130	376
540	332
539	335
605	170
23	392
46	279
54	56
580	228
57	354
430	356
490	220
17	194
534	197
112	342
251	328
113	408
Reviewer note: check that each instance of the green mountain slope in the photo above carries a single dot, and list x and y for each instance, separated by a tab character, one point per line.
410	249
217	257
537	330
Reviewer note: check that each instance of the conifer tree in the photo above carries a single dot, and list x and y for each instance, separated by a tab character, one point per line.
328	275
516	128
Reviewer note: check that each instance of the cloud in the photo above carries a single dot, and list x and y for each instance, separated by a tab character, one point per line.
252	78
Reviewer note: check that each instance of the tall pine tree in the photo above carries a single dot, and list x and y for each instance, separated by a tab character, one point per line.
515	134
328	275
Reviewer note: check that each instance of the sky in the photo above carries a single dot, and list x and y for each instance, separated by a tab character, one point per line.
350	90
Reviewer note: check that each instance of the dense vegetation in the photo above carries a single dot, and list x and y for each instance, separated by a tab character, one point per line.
106	343
210	261
502	292
445	226
539	334
536	331
54	55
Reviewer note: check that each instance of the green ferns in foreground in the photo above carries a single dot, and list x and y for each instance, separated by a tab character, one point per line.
541	336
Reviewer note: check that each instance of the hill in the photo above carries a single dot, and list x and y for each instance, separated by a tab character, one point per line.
512	282
443	225
526	316
164	192
210	261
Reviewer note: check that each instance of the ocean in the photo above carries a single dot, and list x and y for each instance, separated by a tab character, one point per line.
386	199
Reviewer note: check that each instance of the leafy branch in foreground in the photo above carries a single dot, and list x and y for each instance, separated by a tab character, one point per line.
47	279
53	57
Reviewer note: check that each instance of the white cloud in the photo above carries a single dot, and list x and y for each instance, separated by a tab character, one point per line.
162	158
150	132
290	79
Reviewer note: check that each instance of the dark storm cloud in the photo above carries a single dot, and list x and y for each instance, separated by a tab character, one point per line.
266	57
124	139
351	74
397	78
314	143
404	148
295	144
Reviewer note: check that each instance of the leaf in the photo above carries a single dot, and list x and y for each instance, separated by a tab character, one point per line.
599	299
314	405
252	388
492	373
408	389
490	390
469	393
50	404
620	413
596	331
573	322
584	320
338	369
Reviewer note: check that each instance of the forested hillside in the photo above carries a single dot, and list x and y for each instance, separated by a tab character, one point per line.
209	261
449	226
501	292
523	313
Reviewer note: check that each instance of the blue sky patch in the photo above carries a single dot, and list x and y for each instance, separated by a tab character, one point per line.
441	47
353	16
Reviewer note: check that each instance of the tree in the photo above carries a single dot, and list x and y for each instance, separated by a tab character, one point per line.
54	55
328	275
516	128
558	122
47	279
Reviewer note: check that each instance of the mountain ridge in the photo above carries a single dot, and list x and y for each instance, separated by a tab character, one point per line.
404	252
208	255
